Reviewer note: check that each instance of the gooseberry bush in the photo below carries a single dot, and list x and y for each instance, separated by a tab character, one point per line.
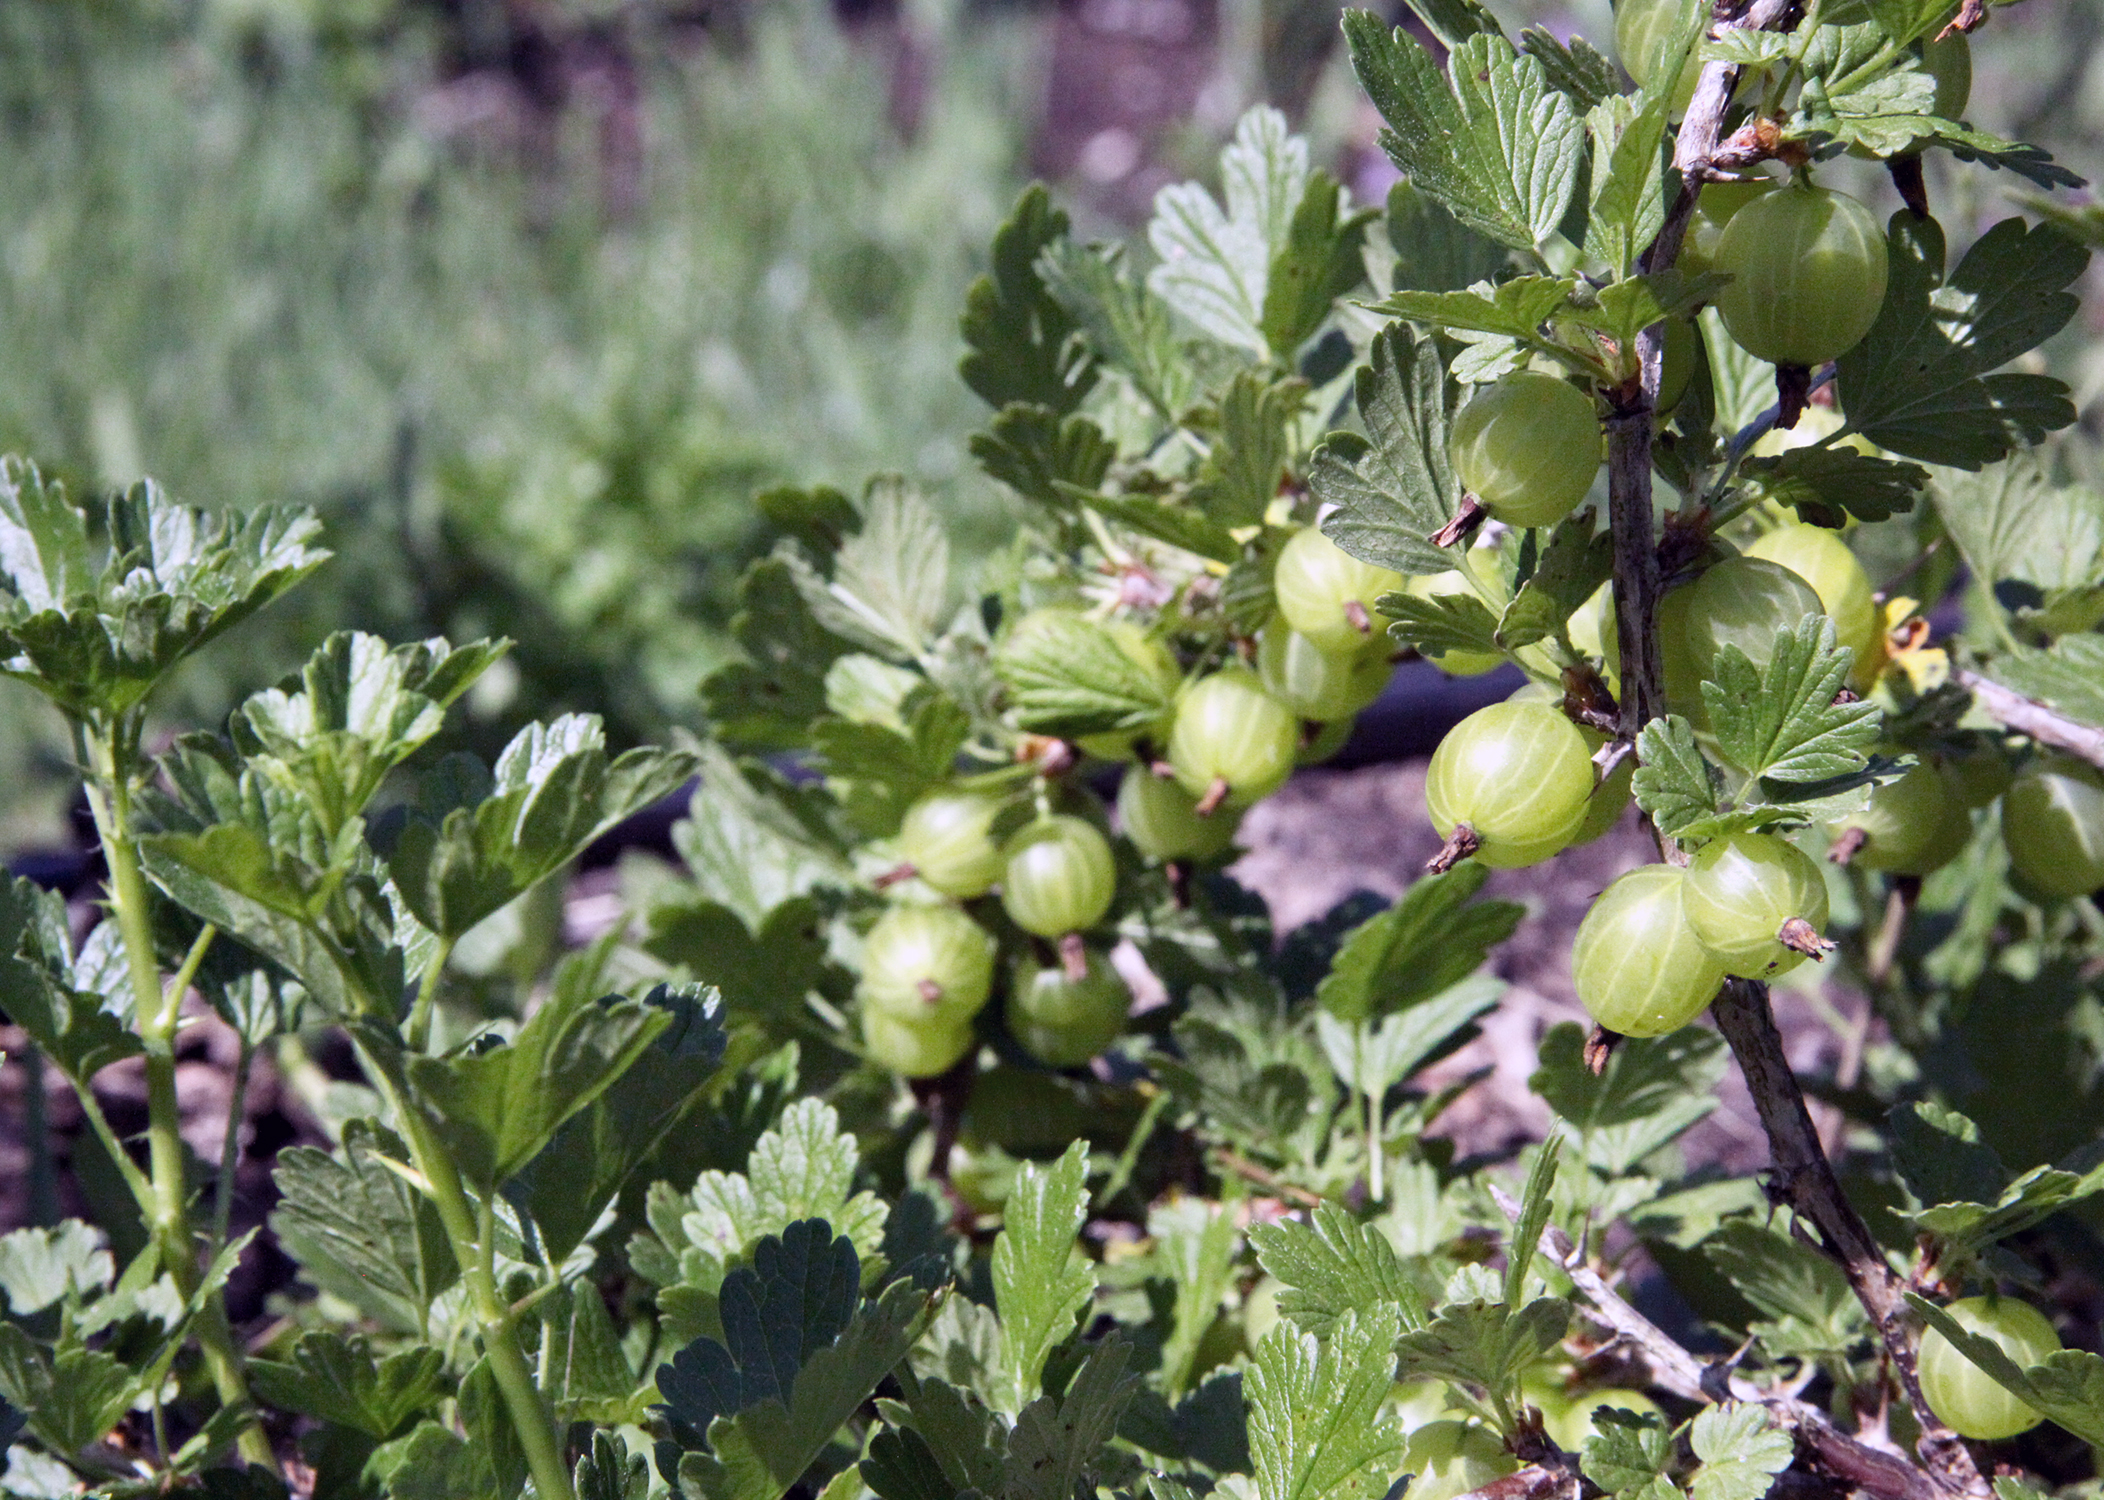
948	1120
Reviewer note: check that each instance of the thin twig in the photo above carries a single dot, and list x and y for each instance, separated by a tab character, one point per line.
1674	1369
2012	710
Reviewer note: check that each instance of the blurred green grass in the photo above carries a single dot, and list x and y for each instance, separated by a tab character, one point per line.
529	356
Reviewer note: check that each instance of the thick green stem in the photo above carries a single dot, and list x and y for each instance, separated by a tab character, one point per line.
420	1014
158	1013
474	1246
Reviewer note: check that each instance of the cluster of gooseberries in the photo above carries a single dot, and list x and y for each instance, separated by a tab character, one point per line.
1516	782
1232	732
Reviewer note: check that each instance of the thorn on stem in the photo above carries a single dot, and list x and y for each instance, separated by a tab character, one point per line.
1599	1047
1799	936
1793	390
1215	794
1460	844
1906	177
1473	513
1847	846
1073	957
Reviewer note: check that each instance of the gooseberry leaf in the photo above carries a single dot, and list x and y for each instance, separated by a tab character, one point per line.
1652	1090
1813	1309
800	1353
889	586
1500	147
1484	1344
1433	937
610	1472
752	840
1740	1449
75	1007
590	1159
359	1231
1129	325
1331	1265
1941	1157
39	1267
1441	623
1577	67
1020	338
337	1379
1195	1242
1626	1450
1828	485
478	841
1216	262
1783	724
1572	564
1905	21
2069	678
1316	1428
1209	1426
1069	674
71	1396
1373	1056
1058	1440
769	700
1516	309
1393	488
1170	521
1434	251
1040	1281
1628	185
2014	522
1035	451
2067	1387
1319	262
1674	785
1239	478
1919	383
95	628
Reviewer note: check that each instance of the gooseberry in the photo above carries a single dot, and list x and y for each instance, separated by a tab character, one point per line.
2053	824
1231	731
1518	776
1808	269
1914	824
1638	966
1821	558
1973	1402
1527	448
1162	820
1065	1021
947	837
914	1049
1741	889
1059	876
1316	683
1744	602
1327	594
926	964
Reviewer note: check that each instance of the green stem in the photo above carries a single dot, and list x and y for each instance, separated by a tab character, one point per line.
474	1247
158	1013
1375	1152
420	1014
230	1149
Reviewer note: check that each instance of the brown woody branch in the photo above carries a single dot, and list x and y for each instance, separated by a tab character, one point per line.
2012	710
1803	1175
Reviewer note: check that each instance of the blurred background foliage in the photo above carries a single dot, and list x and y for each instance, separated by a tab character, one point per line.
529	297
